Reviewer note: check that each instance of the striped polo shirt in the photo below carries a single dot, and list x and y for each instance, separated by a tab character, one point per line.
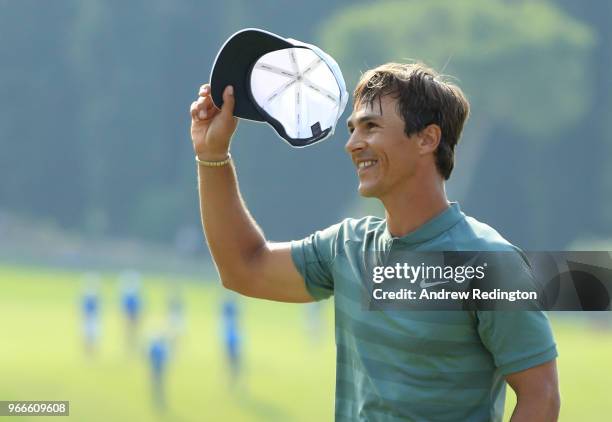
407	365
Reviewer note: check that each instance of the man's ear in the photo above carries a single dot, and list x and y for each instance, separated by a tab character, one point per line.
429	139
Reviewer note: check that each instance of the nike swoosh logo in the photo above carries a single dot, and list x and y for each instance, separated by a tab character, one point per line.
424	284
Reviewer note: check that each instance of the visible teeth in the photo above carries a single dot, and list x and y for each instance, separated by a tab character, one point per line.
364	164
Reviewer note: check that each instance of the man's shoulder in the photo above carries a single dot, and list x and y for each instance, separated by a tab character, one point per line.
364	224
350	229
471	234
356	229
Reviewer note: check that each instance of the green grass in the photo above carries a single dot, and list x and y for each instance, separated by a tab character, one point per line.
287	377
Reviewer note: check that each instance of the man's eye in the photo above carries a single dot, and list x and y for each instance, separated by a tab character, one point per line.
351	130
371	125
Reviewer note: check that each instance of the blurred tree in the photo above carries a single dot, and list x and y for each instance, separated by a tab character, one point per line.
589	145
118	52
495	48
35	142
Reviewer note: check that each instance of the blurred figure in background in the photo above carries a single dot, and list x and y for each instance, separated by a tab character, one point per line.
231	337
90	307
158	353
131	304
176	313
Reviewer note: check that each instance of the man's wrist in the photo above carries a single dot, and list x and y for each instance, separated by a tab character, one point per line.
212	156
214	163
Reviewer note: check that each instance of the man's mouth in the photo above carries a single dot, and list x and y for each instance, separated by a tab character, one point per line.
364	165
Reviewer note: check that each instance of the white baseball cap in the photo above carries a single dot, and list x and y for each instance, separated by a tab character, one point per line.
295	87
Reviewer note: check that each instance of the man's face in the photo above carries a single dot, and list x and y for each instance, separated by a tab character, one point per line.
384	156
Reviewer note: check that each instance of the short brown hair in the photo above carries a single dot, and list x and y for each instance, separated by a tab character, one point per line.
423	98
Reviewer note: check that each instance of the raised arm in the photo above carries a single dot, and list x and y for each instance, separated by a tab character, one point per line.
246	262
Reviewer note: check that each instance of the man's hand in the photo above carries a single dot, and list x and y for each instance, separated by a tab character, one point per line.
211	128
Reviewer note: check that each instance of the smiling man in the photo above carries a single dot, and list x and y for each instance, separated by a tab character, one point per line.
391	365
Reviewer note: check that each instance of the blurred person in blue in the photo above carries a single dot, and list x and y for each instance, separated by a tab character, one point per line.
158	356
131	305
231	337
391	366
90	307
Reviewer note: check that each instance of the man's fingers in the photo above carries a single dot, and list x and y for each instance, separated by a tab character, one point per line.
204	90
205	103
208	103
193	109
206	93
202	108
197	110
228	102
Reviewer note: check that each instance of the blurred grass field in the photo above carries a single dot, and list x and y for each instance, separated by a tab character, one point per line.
287	376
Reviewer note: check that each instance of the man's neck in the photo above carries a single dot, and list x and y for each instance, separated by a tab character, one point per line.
408	210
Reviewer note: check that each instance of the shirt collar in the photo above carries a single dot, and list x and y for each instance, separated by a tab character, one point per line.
430	229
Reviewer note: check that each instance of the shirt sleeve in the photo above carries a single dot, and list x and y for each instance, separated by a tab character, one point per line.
518	340
313	257
522	339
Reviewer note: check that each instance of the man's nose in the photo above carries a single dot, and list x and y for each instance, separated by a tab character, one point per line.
354	144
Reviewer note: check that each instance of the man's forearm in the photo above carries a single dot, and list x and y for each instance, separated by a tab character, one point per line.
537	393
232	235
536	409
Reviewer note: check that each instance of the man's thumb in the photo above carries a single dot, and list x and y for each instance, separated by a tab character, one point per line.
227	109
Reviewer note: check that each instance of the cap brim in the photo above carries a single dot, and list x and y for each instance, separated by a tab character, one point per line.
233	64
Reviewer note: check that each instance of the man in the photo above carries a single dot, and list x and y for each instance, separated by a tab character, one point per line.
414	366
231	338
131	305
90	303
158	359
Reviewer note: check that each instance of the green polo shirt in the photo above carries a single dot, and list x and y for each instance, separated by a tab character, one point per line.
418	365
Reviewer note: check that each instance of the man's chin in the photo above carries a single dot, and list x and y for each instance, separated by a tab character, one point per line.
367	191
